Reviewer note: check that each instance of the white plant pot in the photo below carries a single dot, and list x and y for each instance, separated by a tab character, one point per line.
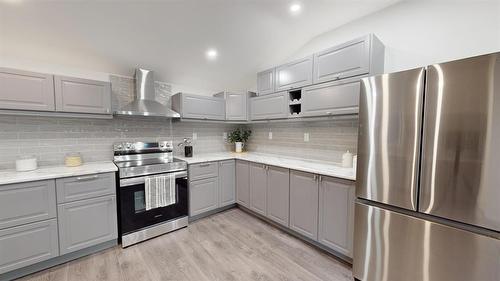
238	146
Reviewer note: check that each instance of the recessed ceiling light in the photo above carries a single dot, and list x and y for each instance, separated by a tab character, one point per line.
211	54
295	8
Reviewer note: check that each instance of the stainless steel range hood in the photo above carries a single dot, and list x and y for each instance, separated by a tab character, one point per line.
145	103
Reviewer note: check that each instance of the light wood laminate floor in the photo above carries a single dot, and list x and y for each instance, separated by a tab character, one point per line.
232	245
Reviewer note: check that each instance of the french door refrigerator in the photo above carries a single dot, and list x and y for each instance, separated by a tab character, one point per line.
428	181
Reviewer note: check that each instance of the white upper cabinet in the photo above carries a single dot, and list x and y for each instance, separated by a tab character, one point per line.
265	82
360	56
294	74
23	90
82	95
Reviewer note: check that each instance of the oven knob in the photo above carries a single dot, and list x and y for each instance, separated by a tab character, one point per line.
127	146
119	147
132	146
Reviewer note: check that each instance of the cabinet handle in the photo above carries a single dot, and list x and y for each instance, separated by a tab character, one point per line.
205	165
320	178
328	113
87	178
315	177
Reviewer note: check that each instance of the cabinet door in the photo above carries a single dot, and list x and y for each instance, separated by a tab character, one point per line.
265	82
28	244
278	194
330	99
82	95
304	204
86	223
258	188
269	107
346	60
227	183
336	214
203	107
23	203
25	90
295	74
203	196
236	106
242	183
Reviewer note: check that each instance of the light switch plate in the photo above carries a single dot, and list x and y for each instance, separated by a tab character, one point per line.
270	136
195	136
306	137
224	136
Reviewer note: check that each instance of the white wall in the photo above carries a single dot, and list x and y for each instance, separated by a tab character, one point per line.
418	33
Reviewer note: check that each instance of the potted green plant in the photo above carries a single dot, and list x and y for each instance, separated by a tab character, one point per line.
239	137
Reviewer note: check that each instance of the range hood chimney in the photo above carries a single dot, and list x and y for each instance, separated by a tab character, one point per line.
145	103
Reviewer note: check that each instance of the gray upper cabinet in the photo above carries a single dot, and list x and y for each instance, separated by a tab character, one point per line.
242	183
203	196
82	95
236	105
336	214
28	244
304	203
265	82
28	202
273	106
199	107
331	98
258	188
227	183
84	187
87	223
278	194
23	90
357	57
294	74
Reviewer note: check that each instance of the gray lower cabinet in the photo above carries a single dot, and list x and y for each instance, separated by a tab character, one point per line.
336	214
28	202
304	203
278	194
227	183
199	107
331	98
265	82
258	188
84	187
82	95
273	106
203	196
203	170
295	74
87	223
243	183
24	90
28	244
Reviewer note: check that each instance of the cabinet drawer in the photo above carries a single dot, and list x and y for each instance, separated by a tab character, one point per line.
203	171
28	244
83	187
28	202
87	223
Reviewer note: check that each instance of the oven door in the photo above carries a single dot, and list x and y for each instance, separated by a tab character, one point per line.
133	214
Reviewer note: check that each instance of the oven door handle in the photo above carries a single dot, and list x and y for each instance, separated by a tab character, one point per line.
139	180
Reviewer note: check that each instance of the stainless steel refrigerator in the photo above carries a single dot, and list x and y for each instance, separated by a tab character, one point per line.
428	180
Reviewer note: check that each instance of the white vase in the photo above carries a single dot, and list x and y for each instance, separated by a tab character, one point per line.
238	146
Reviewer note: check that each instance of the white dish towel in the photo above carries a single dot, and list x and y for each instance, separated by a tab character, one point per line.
160	191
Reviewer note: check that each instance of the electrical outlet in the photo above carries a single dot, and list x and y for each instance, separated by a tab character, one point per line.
195	136
270	136
224	136
306	137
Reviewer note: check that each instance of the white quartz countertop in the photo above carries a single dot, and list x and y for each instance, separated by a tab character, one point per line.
53	172
310	166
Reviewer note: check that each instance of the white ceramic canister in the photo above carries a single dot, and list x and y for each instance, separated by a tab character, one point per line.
238	146
26	163
347	160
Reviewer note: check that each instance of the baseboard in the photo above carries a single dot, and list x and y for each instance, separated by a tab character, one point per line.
339	256
17	273
209	213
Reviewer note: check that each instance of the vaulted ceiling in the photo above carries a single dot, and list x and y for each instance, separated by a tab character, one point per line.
171	37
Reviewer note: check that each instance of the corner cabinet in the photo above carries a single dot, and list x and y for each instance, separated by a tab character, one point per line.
294	74
24	90
265	82
199	107
78	95
273	106
236	105
332	98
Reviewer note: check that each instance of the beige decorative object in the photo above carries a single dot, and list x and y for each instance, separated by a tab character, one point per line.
73	159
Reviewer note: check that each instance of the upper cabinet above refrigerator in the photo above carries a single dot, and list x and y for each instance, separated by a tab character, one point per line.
390	112
460	154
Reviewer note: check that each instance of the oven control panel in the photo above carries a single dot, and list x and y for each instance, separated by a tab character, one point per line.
137	147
